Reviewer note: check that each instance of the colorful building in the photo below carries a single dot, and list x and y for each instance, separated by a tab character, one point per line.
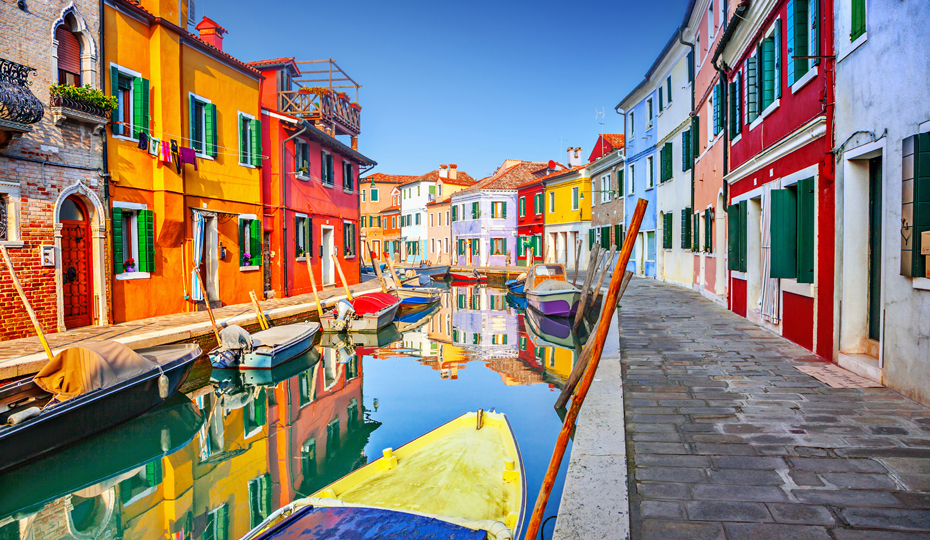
439	231
780	168
310	183
390	231
376	196
640	107
530	221
53	206
483	233
181	99
605	168
415	195
567	196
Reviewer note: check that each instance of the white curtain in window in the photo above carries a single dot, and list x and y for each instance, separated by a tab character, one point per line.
199	226
770	293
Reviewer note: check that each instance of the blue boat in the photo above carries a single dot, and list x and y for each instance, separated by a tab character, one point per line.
416	304
515	286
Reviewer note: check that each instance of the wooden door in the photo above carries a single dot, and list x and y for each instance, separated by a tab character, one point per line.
76	264
875	248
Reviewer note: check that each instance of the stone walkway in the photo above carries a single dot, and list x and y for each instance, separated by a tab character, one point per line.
727	440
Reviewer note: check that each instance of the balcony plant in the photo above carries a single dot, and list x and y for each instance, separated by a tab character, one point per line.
355	106
129	265
84	98
343	96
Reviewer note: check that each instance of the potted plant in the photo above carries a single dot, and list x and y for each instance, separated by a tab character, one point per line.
129	265
83	98
343	96
303	90
247	259
355	106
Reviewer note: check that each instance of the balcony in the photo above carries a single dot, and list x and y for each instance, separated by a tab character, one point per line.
321	100
19	107
64	108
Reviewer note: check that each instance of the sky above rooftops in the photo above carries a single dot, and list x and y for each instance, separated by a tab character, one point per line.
467	83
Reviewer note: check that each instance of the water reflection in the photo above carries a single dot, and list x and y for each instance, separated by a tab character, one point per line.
214	463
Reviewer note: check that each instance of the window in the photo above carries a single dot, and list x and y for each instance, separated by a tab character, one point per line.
686	228
605	237
348	238
605	188
413	248
69	55
690	60
364	195
133	240
632	181
348	178
665	162
394	222
250	241
686	157
302	159
498	209
326	169
736	105
7	218
717	104
374	194
303	236
142	483
709	230
440	190
447	217
538	203
736	236
522	206
649	113
455	212
132	94
632	125
650	173
498	246
711	23
416	218
857	19
667	230
620	183
792	232
432	245
474	210
250	139
661	99
202	128
217	524
763	76
696	232
803	27
668	89
915	178
255	414
650	246
551	202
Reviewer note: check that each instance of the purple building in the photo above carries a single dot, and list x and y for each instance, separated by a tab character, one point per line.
484	216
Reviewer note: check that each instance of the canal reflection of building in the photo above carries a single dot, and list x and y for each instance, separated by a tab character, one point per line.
252	449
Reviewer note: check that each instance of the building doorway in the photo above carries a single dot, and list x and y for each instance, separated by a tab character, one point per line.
209	263
875	248
76	262
327	248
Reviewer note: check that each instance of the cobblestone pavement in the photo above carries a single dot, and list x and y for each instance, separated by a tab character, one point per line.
727	440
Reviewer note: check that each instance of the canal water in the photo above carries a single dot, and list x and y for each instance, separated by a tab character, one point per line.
214	461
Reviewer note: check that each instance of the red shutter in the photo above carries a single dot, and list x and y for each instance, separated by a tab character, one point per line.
69	50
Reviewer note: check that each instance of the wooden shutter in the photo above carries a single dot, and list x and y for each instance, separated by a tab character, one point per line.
685	149
146	222
695	232
665	231
691	67
733	237
806	231
783	230
474	210
915	203
813	48
605	236
618	237
475	247
661	100
743	226
117	227
716	110
255	241
296	236
222	523
455	209
590	239
154	473
858	20
752	91
796	39
256	142
309	224
504	209
695	137
685	227
210	129
323	167
140	106
243	247
142	241
768	73
708	231
330	173
668	91
668	158
776	37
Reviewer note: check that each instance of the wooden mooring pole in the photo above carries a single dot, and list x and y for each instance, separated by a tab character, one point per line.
600	337
577	256
22	296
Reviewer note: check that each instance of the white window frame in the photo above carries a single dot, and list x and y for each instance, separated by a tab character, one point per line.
538	208
650	108
632	125
327	154
551	202
11	191
248	144
711	21
297	154
203	122
447	218
605	188
630	190
576	199
134	231
650	173
302	231
431	215
364	195
521	208
131	74
354	240
252	267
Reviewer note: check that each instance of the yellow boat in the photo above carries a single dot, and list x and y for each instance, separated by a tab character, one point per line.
462	480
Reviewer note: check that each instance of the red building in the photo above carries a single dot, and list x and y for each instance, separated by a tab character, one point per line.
530	221
310	189
776	109
606	143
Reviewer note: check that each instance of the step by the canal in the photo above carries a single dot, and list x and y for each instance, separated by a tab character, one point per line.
705	428
20	357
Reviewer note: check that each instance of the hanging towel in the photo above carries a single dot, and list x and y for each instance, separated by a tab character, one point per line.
165	154
154	145
175	155
143	141
188	155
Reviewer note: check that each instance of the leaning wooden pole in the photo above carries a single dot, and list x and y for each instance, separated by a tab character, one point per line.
22	296
600	281
600	337
577	256
397	283
206	302
596	256
345	284
316	295
569	387
376	266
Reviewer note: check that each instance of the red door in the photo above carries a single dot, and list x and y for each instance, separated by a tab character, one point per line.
76	284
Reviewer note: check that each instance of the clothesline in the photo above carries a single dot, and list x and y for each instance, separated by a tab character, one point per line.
182	138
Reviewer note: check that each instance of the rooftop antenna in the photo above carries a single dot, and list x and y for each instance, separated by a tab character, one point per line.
599	114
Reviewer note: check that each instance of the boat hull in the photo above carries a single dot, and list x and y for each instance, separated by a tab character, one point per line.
265	358
87	415
433	271
515	287
366	323
554	304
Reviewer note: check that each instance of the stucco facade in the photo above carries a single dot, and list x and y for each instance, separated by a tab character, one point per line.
567	198
640	174
607	200
530	222
881	313
439	231
376	196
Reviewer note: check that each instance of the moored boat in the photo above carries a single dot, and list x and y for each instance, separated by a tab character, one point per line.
464	479
548	293
86	390
468	277
437	272
264	349
412	321
366	313
416	304
516	286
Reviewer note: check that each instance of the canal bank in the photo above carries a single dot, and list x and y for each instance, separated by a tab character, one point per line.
19	357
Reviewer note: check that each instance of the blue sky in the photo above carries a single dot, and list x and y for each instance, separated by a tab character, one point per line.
470	83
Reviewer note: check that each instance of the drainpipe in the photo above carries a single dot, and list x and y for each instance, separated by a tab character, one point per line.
620	195
728	31
283	175
105	174
693	70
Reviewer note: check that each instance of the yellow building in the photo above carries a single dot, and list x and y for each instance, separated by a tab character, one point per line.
180	98
567	200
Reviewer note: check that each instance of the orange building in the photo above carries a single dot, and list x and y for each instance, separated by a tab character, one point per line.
376	196
390	229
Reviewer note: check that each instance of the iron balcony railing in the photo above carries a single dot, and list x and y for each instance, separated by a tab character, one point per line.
17	102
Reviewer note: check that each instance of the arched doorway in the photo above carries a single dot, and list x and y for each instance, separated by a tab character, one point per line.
76	263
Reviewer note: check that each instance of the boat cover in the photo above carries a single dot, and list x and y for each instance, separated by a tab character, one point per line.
282	335
418	300
553	285
91	366
373	302
369	523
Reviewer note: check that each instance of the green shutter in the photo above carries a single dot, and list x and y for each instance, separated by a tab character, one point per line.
858	19
618	237
768	73
243	248
146	230
665	231
503	209
814	37
776	37
153	473
256	132
296	236
323	167
783	230
695	232
733	237
140	106
743	230
695	138
661	100
806	231
752	91
691	66
255	241
475	246
685	228
668	84
590	239
708	231
716	110
117	227
330	172
474	210
222	523
455	212
685	150
605	237
915	203
190	120
668	158
114	81
209	129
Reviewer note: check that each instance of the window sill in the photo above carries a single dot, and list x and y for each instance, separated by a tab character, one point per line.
246	165
738	275
736	139
806	78
327	185
347	190
921	283
304	177
205	156
853	46
125	138
768	110
249	268
125	276
15	244
349	257
301	259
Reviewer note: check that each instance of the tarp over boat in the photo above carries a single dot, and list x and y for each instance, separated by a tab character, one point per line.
91	366
350	523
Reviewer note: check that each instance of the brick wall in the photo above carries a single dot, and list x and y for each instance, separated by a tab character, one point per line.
27	39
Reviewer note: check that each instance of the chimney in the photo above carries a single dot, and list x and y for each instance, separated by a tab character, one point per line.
574	156
443	172
211	32
453	171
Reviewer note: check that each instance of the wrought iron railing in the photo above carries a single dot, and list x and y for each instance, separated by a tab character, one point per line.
17	102
78	105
